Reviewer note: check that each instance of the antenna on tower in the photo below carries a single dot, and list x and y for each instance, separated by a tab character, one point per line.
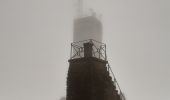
80	7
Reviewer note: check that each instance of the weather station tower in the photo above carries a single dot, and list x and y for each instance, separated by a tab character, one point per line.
89	74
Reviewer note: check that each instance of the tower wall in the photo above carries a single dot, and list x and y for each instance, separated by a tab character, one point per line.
88	79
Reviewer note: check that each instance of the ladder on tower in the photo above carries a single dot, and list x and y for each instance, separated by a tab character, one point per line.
116	82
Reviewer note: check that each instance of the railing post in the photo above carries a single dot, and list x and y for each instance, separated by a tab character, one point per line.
105	52
99	51
79	52
71	52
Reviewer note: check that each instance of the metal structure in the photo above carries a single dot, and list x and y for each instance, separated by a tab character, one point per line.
98	49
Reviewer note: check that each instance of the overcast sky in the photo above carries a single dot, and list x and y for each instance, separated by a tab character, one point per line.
35	37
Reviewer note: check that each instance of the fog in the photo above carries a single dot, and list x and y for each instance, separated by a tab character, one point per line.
35	37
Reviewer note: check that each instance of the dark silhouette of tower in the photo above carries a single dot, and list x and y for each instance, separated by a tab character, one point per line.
89	72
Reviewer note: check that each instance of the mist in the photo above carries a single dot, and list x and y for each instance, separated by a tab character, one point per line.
35	37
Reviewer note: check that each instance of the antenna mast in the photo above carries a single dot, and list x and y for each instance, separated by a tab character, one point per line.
80	7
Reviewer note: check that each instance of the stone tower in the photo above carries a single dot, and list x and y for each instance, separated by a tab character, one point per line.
88	74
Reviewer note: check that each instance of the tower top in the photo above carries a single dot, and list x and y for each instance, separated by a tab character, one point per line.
82	10
86	25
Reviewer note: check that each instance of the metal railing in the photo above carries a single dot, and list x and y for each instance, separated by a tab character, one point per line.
98	49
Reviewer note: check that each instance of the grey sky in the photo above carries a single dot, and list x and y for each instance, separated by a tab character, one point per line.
35	37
